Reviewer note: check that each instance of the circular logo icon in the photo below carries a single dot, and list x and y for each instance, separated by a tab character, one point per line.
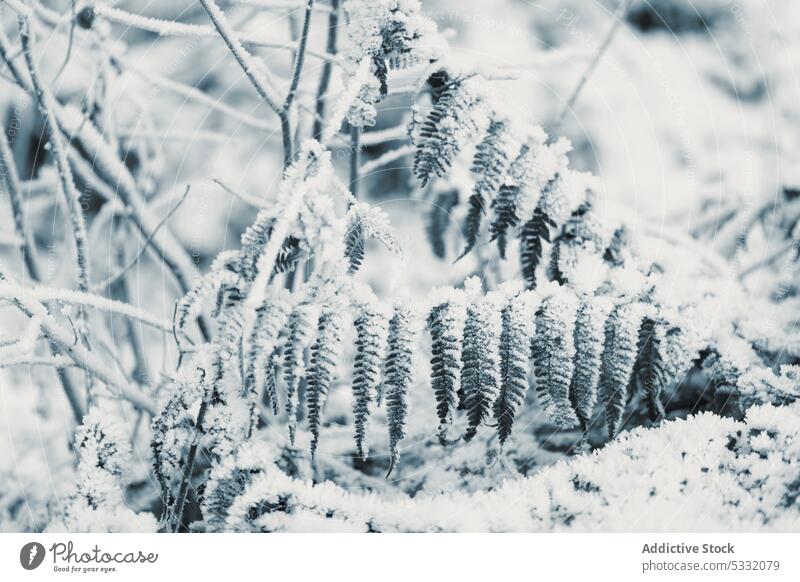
31	555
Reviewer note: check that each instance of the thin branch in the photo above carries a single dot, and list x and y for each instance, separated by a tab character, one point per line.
283	6
57	362
29	258
114	171
121	273
243	196
83	358
245	59
327	68
355	156
189	92
27	246
47	105
619	16
396	133
165	28
11	240
386	158
12	291
768	260
300	57
141	370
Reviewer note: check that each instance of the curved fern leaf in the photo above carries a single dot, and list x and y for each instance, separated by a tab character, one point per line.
554	355
399	377
370	326
534	232
589	339
619	357
445	325
666	352
324	353
492	158
354	245
449	125
301	328
480	357
515	338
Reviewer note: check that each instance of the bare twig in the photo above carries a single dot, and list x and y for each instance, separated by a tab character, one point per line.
124	270
254	73
327	68
189	92
619	16
355	156
11	291
396	133
768	260
181	29
386	158
47	105
243	196
82	131
284	113
29	258
83	358
302	49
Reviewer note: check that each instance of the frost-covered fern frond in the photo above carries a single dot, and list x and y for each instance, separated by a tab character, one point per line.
302	325
619	356
515	347
554	354
493	155
455	120
589	338
365	222
399	377
227	480
324	355
263	347
371	326
667	348
446	325
535	232
221	275
174	428
583	237
760	384
381	34
480	358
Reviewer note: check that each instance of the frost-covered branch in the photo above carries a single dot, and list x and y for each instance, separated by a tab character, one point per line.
47	105
12	291
181	29
83	358
263	84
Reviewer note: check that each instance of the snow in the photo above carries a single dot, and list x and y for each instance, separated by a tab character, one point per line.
671	195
